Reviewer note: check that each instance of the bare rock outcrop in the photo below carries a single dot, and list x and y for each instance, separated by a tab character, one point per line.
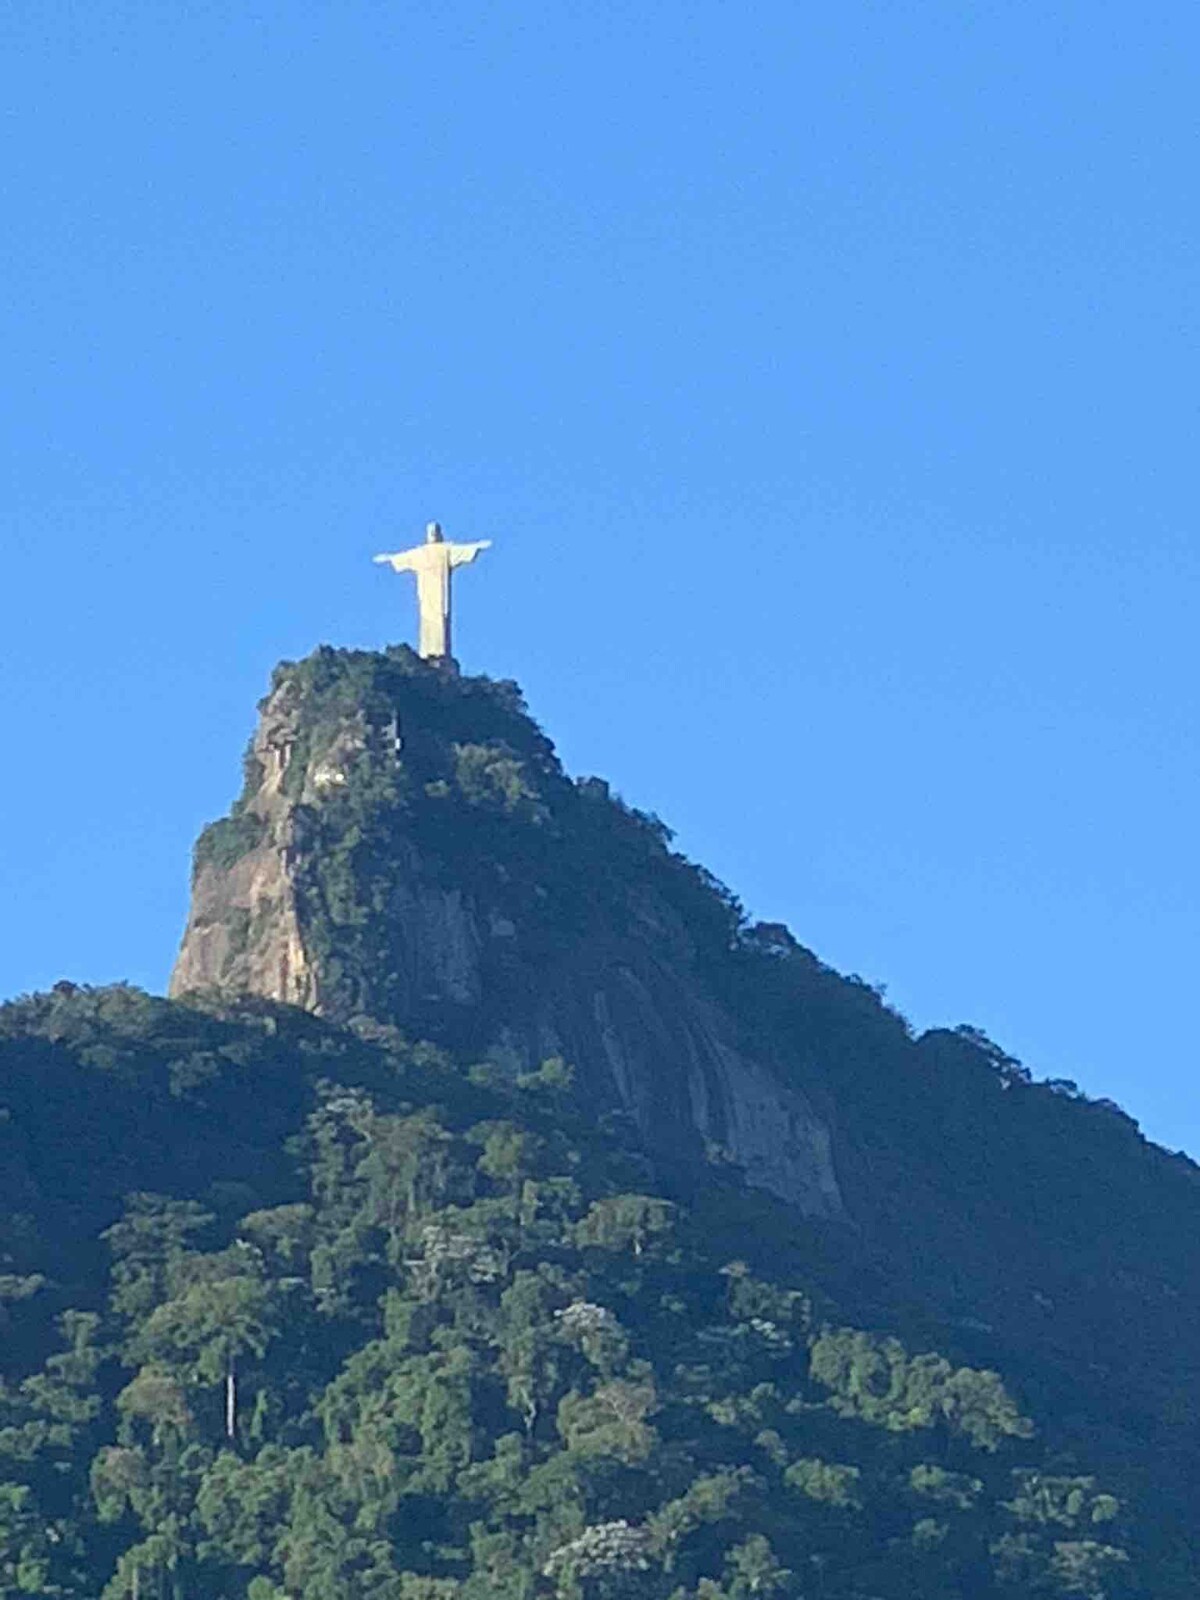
407	848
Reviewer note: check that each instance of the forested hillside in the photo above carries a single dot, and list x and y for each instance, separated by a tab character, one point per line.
299	1311
498	1211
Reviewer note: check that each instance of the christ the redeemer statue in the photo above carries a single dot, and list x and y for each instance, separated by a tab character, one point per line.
433	562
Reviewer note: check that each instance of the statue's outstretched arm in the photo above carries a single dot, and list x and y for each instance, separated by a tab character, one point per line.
462	554
401	562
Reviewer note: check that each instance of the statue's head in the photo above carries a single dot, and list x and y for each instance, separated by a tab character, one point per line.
433	533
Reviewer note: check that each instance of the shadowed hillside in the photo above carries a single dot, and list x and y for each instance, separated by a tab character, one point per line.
494	1211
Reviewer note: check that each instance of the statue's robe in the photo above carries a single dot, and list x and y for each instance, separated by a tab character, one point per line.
433	564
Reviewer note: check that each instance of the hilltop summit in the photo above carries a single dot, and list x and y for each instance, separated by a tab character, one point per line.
407	848
495	1213
408	853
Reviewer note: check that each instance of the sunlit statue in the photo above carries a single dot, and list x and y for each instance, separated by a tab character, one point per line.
433	562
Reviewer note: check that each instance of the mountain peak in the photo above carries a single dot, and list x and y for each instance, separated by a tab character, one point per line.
520	1035
407	848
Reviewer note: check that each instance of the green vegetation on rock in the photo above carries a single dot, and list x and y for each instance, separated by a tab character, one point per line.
382	1305
398	1330
228	839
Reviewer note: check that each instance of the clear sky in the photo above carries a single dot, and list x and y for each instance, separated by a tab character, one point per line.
826	376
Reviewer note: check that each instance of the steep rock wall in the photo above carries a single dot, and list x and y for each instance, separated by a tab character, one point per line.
387	859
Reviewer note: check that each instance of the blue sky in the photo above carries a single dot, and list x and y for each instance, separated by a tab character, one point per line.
825	376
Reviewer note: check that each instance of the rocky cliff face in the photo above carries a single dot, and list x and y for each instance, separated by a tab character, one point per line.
407	849
407	852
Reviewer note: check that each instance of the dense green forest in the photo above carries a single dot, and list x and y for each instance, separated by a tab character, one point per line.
739	1289
294	1310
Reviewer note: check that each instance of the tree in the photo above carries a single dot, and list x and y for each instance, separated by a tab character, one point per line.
209	1327
146	1243
626	1222
877	1380
405	1171
753	1570
157	1397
